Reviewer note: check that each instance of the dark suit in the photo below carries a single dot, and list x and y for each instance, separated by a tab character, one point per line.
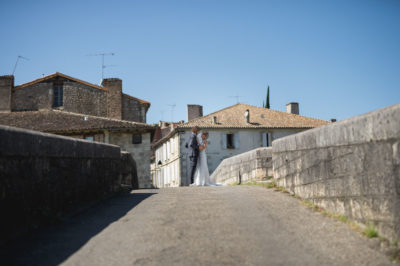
194	151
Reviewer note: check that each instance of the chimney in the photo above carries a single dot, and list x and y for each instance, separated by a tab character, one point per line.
247	116
292	108
333	120
194	111
6	85
114	97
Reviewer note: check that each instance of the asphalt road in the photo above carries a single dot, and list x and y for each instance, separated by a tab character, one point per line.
238	225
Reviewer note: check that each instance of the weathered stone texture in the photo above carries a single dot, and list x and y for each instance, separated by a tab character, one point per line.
6	84
80	98
140	153
133	110
252	165
33	98
114	97
43	176
350	167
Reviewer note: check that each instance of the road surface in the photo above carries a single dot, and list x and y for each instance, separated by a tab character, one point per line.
236	225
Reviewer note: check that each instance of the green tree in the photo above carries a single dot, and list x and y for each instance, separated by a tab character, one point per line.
267	105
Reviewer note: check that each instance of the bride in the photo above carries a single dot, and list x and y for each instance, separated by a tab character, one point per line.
202	175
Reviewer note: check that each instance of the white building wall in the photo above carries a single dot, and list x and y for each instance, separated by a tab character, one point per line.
174	168
167	164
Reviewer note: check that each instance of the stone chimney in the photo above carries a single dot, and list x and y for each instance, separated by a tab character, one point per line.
6	85
194	111
292	108
114	97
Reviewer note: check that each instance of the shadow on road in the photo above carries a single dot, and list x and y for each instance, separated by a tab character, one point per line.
53	245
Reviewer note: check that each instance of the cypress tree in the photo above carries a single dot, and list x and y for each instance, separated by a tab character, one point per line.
267	104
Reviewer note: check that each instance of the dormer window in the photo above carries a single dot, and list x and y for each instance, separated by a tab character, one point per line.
58	95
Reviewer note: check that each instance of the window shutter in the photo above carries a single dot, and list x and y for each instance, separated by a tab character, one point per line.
223	138
269	139
236	139
264	139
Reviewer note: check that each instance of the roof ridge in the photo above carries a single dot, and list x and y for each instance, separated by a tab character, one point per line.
62	75
201	117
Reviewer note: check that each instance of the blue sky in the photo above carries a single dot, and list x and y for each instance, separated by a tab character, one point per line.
336	58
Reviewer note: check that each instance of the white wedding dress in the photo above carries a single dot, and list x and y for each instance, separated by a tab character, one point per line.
202	175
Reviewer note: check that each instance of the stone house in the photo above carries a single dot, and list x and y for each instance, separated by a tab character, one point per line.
61	92
67	106
233	130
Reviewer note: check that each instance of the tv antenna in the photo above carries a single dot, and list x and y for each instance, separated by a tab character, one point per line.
16	63
102	62
237	98
172	111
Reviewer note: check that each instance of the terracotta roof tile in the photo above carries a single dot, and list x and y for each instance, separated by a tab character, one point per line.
233	117
54	121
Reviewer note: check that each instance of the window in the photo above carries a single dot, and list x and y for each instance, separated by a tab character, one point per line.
230	144
136	138
266	139
58	95
90	138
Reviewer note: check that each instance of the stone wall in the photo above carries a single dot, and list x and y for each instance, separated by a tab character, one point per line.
6	84
80	98
140	153
252	165
350	167
133	110
32	98
44	176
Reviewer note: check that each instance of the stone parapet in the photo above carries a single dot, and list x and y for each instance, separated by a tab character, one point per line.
252	165
351	167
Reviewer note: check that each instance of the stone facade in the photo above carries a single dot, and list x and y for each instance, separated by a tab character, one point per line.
80	98
6	84
351	167
140	152
31	98
76	96
133	110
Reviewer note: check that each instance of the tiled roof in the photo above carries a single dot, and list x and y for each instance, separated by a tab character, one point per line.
233	117
54	121
57	74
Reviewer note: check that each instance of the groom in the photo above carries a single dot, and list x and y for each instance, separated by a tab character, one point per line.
194	150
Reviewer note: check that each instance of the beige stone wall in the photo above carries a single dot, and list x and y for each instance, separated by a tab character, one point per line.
6	83
140	153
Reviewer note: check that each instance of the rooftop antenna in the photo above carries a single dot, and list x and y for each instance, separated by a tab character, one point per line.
162	115
16	63
102	61
172	111
237	98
